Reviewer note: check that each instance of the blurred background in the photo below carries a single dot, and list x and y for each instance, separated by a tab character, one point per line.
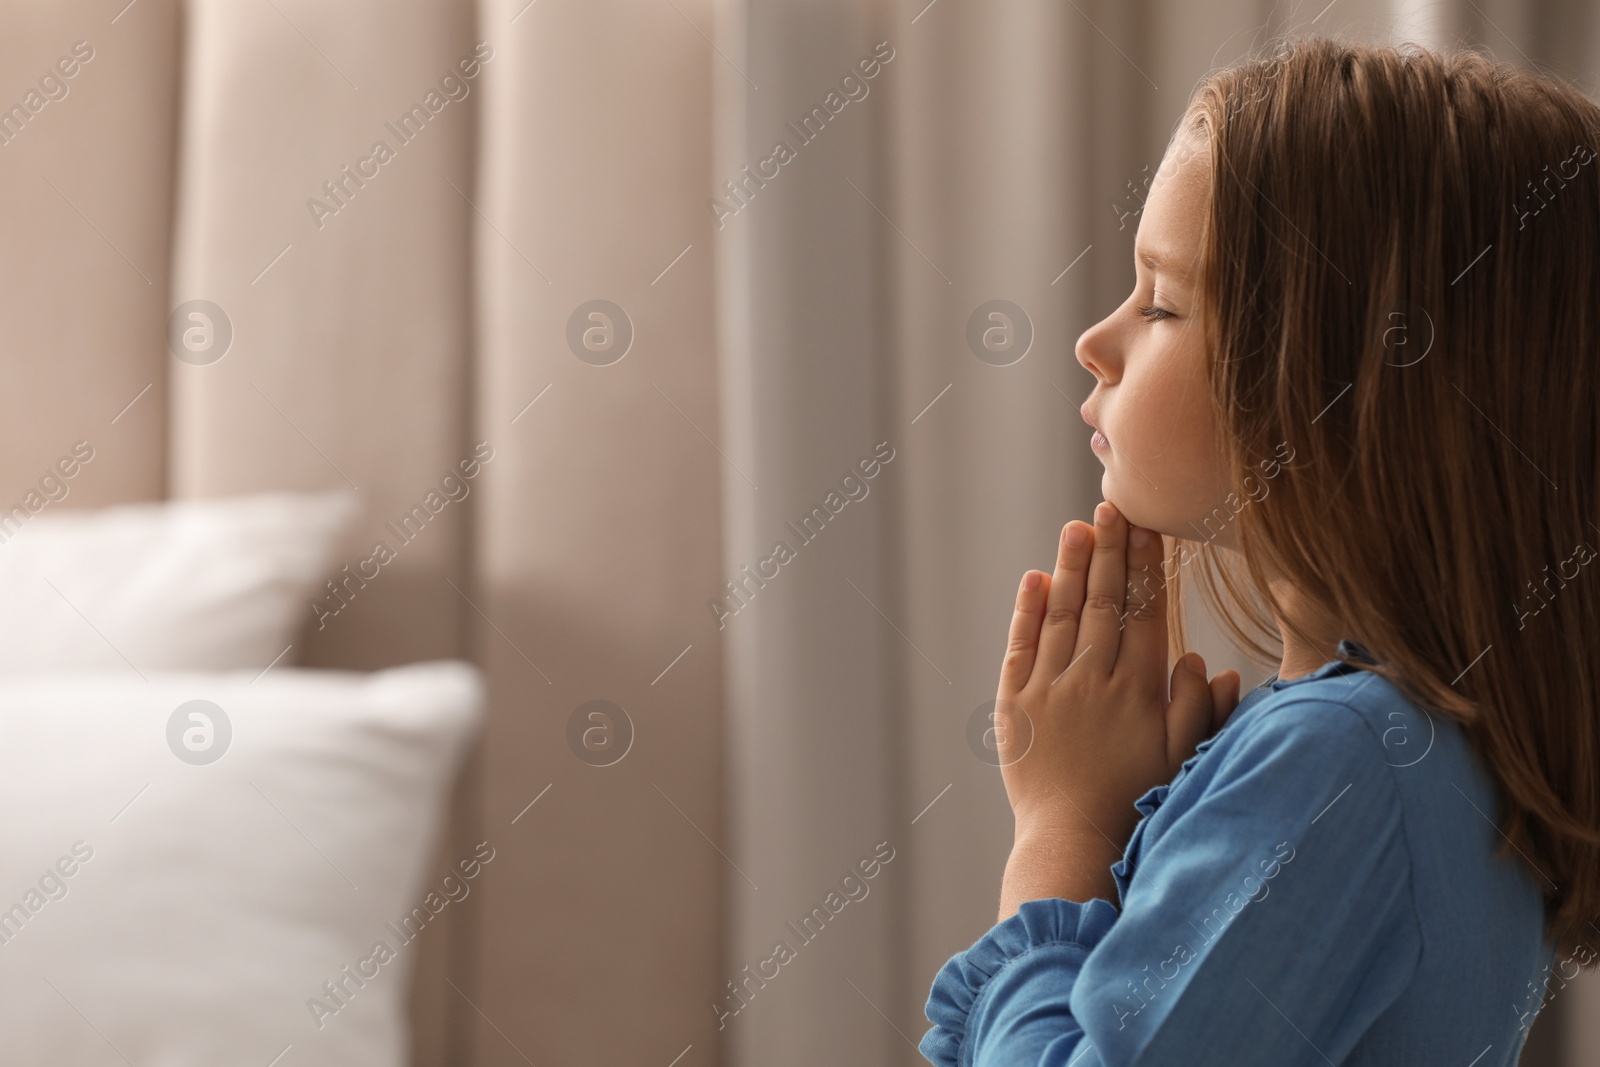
593	403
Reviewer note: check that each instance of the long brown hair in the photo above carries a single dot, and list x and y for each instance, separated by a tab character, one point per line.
1400	282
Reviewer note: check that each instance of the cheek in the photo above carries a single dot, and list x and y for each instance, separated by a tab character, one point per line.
1164	419
1165	467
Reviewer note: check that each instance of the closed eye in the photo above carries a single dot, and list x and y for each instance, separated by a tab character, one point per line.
1155	314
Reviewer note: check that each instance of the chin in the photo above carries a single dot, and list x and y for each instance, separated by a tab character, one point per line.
1133	511
1147	507
1138	513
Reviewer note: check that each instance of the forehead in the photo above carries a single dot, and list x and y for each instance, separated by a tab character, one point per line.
1168	238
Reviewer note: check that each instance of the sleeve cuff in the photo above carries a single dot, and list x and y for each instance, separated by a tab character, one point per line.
963	978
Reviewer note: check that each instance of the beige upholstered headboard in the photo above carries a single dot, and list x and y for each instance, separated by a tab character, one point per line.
382	306
150	183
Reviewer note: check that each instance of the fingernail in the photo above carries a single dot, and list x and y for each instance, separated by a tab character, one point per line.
1030	581
1105	514
1139	537
1076	536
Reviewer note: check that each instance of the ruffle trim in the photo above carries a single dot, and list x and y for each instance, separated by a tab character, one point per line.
1123	870
1047	921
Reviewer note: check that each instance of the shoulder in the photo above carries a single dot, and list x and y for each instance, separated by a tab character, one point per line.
1317	756
1357	721
1310	773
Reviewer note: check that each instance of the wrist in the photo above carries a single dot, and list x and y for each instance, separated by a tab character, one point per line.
1062	846
1074	827
1069	862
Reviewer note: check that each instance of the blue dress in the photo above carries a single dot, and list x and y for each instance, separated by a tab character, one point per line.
1316	886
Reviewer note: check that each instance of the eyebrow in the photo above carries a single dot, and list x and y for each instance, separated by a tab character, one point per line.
1164	265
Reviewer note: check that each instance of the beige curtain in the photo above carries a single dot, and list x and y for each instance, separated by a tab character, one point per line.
995	157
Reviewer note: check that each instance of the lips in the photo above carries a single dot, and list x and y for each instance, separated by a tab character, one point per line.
1098	439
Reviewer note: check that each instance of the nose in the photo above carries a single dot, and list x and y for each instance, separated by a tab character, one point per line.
1096	351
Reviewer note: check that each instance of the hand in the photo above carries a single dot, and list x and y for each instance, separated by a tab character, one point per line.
1083	717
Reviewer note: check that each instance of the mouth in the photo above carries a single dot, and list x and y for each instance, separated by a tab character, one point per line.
1097	440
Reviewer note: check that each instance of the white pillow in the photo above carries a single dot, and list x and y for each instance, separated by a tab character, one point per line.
217	584
187	913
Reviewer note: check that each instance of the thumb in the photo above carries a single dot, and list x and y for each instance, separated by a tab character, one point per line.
1224	697
1189	714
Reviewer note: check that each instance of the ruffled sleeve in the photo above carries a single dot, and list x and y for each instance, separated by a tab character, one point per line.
1268	916
1041	946
1123	870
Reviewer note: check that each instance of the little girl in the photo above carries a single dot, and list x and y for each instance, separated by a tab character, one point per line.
1359	376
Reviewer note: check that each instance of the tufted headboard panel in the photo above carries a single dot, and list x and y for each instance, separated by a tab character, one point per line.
372	318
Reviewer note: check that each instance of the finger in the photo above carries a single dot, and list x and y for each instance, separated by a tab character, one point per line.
1189	714
1144	630
1100	632
1224	697
1023	641
1065	604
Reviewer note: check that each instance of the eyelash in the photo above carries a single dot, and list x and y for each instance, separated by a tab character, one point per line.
1155	314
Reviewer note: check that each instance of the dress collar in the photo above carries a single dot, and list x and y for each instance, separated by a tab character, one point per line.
1347	650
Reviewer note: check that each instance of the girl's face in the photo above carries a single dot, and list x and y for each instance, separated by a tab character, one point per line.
1163	467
